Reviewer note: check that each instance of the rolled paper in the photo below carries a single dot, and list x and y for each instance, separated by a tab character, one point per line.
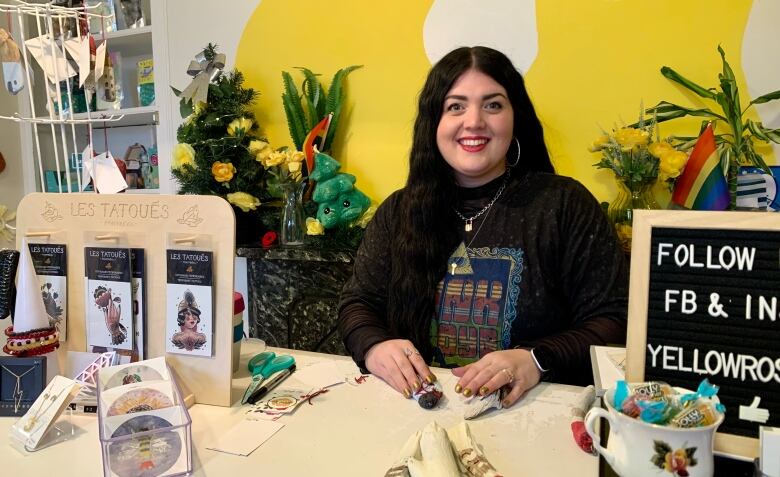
579	408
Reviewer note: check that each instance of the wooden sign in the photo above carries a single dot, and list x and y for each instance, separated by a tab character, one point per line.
703	303
153	223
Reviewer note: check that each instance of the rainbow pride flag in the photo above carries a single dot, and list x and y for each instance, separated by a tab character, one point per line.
702	185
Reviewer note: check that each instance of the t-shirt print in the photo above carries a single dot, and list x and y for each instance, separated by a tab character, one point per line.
476	304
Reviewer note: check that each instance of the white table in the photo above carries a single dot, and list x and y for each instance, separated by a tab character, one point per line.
351	430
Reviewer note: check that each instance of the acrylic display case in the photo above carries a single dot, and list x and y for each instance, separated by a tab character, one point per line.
141	433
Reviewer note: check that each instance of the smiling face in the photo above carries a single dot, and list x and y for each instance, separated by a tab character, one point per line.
476	128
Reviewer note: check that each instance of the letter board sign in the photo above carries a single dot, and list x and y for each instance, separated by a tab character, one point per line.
705	303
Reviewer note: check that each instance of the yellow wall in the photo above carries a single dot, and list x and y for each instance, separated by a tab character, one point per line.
596	61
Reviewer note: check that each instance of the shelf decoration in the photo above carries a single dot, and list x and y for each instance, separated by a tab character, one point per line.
67	59
31	333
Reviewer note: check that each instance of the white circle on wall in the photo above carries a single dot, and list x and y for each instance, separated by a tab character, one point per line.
506	25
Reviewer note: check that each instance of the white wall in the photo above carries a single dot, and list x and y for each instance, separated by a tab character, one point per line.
11	179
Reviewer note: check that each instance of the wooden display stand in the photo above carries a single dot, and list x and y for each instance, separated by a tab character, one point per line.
154	223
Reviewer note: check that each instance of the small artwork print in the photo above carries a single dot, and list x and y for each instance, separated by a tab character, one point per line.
190	322
50	262
108	299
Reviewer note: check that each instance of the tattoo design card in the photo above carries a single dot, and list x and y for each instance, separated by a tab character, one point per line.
138	270
189	310
50	262
108	298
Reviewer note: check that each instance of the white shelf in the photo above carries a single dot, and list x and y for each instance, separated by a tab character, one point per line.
140	116
131	41
142	191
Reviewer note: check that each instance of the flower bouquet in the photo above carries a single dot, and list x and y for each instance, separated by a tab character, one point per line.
637	160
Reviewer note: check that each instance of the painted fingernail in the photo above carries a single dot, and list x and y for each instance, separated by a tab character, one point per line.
457	388
484	390
416	386
467	392
505	403
407	393
430	378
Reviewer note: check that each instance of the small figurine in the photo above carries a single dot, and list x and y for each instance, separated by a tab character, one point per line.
429	395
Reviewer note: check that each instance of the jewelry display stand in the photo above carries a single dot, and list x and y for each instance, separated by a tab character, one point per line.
155	224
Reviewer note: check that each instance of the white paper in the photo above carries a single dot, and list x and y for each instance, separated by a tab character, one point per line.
320	375
106	177
55	67
100	61
246	436
78	49
154	369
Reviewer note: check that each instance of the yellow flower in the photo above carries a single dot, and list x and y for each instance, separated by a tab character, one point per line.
628	138
257	146
223	171
274	159
364	219
243	201
599	143
658	149
294	167
240	125
183	154
672	164
314	227
296	156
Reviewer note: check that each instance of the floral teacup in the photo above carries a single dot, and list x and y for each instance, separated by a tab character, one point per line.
640	449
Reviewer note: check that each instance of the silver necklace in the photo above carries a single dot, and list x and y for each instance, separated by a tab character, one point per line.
469	221
18	391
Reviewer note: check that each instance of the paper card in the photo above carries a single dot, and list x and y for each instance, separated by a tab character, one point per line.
280	401
49	57
189	310
246	436
142	371
104	173
137	397
13	76
159	452
108	297
31	428
51	262
100	61
319	375
78	49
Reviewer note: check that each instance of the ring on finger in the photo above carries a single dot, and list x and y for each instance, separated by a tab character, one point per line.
409	352
508	375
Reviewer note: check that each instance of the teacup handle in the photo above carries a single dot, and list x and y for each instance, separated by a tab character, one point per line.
590	421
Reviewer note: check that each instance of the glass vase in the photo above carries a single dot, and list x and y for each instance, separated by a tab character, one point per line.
293	223
631	196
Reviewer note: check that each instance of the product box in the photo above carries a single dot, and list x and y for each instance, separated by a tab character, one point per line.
145	82
145	428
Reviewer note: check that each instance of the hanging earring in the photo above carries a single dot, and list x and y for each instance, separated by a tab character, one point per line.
517	159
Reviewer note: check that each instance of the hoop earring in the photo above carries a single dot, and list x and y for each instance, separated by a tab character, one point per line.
517	159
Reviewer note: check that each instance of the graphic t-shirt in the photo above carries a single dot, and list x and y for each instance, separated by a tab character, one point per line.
476	304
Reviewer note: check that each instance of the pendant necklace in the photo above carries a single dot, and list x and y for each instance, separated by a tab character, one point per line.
18	391
469	221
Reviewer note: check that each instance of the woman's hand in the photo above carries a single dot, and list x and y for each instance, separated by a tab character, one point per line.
399	364
514	368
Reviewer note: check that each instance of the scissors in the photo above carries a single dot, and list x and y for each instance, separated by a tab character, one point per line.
264	365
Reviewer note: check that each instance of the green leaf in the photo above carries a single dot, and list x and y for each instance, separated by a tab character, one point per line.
335	98
312	91
767	97
293	110
678	78
665	111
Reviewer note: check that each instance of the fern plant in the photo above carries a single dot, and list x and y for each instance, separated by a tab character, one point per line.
305	109
736	147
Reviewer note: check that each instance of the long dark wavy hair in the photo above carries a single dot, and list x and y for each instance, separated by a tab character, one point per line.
427	227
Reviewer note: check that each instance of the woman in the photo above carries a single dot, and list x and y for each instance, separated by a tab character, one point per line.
188	318
486	259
